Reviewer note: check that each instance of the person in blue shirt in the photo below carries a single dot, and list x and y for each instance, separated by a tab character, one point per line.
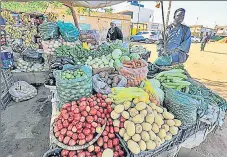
178	40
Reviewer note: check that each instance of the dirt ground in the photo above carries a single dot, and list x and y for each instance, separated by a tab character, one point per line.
25	126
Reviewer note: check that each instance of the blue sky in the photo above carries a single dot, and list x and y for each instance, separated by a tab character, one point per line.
209	13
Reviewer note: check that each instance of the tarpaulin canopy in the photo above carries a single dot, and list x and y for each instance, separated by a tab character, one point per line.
87	4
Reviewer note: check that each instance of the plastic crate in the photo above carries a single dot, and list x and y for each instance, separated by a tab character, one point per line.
5	100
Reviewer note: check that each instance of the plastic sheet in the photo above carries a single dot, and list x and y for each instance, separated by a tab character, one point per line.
49	30
163	61
118	94
68	31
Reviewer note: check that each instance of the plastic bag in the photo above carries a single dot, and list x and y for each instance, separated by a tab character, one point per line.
153	89
74	89
121	94
134	76
163	61
68	31
22	91
49	30
101	87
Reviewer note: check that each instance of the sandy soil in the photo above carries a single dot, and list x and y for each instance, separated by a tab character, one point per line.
25	125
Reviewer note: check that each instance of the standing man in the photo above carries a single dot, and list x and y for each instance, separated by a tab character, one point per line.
178	40
114	33
204	41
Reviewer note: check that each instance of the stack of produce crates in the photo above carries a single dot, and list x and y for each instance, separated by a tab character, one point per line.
6	82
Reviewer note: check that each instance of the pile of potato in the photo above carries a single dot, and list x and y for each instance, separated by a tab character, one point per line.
146	126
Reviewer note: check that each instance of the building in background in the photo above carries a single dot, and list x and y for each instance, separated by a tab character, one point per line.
221	30
208	30
155	27
196	30
141	17
199	30
99	21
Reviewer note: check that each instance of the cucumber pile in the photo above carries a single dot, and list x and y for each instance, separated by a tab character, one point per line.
174	79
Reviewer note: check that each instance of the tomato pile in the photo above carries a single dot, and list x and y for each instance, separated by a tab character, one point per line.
80	121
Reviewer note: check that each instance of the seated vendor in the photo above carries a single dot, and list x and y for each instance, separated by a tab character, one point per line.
178	39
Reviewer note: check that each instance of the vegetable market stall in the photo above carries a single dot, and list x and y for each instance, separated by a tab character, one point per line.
107	107
155	117
94	116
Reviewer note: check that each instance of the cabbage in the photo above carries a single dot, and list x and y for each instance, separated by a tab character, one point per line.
99	62
116	54
134	56
117	64
111	65
111	61
105	61
124	58
94	66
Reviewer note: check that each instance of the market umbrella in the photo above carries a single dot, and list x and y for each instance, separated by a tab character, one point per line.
87	4
74	3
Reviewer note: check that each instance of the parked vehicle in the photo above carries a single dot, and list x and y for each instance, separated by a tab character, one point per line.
195	39
147	36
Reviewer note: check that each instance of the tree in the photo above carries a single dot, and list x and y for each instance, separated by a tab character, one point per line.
70	6
25	6
108	10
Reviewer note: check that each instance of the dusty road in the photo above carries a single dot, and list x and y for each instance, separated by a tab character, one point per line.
210	68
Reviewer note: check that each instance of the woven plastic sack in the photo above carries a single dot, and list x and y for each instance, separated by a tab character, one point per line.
22	91
68	31
49	30
182	106
101	87
163	61
74	89
134	76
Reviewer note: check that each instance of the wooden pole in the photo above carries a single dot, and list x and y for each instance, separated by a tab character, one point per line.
138	18
70	6
167	18
164	27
